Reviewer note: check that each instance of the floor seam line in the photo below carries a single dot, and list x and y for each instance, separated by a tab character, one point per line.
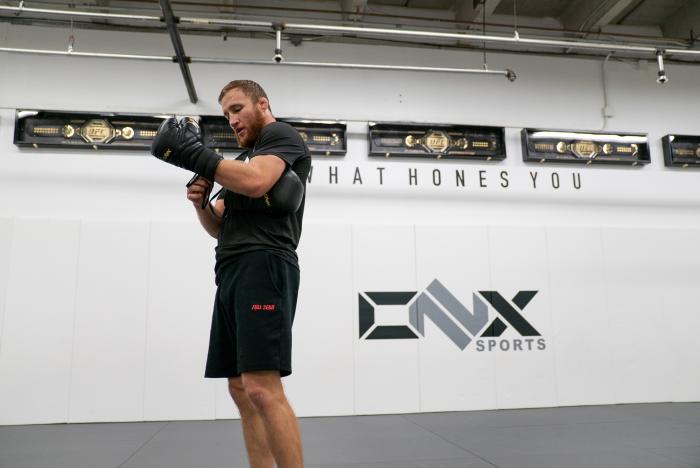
452	443
167	423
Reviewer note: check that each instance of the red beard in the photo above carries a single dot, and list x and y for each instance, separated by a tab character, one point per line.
252	130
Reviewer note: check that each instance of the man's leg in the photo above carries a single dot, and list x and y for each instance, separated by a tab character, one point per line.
259	454
264	388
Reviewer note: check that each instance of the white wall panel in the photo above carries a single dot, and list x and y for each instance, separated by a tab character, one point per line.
323	334
580	318
5	250
640	265
35	351
180	300
680	306
453	379
386	371
110	330
519	263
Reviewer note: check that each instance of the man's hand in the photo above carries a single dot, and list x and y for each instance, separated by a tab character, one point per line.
179	143
198	192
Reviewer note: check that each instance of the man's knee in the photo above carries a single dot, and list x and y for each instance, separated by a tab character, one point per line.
264	389
237	392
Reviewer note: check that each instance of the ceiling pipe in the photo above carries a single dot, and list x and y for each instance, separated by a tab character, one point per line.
515	39
682	52
86	14
14	50
226	22
362	66
477	71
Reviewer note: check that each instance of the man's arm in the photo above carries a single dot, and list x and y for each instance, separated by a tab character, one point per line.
211	222
180	144
252	179
209	217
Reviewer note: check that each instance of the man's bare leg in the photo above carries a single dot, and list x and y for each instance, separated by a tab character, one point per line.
264	388
254	434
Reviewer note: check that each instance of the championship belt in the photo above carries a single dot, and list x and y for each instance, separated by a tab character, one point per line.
681	150
436	141
322	137
52	129
551	146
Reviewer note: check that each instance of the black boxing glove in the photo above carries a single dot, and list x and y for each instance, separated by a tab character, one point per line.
179	143
286	194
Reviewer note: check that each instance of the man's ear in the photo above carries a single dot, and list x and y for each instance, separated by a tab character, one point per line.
264	104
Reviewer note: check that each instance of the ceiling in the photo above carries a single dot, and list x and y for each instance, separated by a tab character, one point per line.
672	24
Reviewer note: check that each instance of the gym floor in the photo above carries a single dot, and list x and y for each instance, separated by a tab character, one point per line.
660	435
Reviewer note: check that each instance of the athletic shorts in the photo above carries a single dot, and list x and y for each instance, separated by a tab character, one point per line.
251	328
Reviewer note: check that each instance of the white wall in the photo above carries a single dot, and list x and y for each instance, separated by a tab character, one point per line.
106	280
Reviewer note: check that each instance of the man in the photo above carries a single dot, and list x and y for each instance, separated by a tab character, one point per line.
258	227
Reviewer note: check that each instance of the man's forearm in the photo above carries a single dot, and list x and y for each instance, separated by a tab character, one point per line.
239	177
210	222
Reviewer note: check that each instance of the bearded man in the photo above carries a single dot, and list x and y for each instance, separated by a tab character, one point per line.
257	220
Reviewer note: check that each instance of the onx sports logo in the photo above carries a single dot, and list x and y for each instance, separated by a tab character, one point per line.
454	320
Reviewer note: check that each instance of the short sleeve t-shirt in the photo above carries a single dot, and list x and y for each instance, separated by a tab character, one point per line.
248	225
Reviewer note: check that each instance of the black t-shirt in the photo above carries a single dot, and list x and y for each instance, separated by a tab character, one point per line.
248	224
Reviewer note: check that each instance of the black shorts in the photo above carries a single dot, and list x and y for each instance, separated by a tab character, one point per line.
251	329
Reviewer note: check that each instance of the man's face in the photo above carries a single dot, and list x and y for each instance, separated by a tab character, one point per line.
245	117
